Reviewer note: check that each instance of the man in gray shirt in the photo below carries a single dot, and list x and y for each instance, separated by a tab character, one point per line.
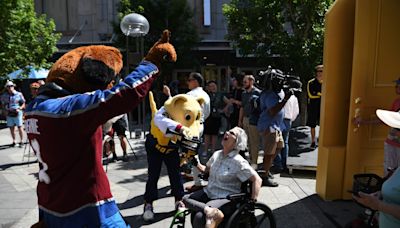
248	119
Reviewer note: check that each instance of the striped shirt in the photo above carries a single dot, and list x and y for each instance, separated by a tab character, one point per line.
227	174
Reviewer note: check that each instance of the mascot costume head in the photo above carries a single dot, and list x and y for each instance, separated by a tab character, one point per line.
64	126
89	68
183	109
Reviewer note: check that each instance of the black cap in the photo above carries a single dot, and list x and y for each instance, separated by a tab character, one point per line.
197	76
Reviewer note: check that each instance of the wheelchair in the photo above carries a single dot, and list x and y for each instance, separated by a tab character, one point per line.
248	214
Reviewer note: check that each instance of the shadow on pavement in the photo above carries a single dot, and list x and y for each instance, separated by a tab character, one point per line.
139	200
6	166
298	151
6	146
313	211
302	174
137	220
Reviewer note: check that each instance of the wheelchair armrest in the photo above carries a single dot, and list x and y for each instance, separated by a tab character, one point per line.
237	197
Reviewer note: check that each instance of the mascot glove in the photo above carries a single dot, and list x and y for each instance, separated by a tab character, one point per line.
162	50
186	132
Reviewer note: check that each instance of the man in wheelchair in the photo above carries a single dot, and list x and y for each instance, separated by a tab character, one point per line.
227	171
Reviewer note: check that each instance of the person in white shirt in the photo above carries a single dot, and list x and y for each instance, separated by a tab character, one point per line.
291	111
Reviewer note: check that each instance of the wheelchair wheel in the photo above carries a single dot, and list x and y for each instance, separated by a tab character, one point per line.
252	216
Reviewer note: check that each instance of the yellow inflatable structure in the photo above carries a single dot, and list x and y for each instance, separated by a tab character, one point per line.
361	61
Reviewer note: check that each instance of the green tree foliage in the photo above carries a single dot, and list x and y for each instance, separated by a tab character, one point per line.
291	29
175	15
25	38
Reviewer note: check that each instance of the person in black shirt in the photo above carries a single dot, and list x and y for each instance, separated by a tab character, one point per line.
235	101
314	102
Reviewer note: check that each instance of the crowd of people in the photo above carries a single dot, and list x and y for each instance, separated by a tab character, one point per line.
258	119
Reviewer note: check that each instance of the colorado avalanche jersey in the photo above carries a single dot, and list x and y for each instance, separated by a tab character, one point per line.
66	135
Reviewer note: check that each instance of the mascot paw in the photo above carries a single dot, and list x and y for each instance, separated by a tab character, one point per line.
186	132
162	50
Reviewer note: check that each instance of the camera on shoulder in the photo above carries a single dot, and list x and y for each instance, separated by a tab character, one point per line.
276	80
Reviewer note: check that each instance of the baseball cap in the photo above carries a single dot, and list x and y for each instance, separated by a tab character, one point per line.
9	83
390	118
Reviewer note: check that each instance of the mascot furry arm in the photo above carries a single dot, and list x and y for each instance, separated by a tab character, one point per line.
64	128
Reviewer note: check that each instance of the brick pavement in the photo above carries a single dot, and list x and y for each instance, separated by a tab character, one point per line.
294	202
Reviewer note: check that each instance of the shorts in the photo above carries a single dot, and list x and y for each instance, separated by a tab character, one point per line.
272	142
120	126
313	115
15	121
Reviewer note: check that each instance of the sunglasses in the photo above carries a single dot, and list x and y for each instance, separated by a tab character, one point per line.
319	71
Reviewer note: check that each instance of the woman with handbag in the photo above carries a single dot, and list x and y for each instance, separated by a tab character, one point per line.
13	102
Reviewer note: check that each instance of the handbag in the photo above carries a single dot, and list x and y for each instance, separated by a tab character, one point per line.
12	113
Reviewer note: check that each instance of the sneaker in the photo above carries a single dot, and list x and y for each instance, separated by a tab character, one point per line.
20	144
13	144
263	174
148	214
313	145
269	182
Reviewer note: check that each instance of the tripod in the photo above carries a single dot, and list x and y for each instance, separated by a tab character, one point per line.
27	147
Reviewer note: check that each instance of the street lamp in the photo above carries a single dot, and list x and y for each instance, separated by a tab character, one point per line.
135	25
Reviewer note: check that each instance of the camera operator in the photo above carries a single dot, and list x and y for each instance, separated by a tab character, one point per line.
270	123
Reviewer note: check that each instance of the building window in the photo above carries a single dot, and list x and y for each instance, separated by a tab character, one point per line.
206	13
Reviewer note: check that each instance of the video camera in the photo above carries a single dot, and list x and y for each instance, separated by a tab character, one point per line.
188	148
276	80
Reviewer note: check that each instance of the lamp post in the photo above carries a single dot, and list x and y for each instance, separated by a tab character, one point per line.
135	25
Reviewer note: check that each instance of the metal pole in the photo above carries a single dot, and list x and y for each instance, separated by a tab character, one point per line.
139	106
126	74
127	56
144	100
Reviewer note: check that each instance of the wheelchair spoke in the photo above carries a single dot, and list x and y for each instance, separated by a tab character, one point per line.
261	216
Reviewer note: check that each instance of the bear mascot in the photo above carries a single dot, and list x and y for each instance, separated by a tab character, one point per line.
64	126
181	115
